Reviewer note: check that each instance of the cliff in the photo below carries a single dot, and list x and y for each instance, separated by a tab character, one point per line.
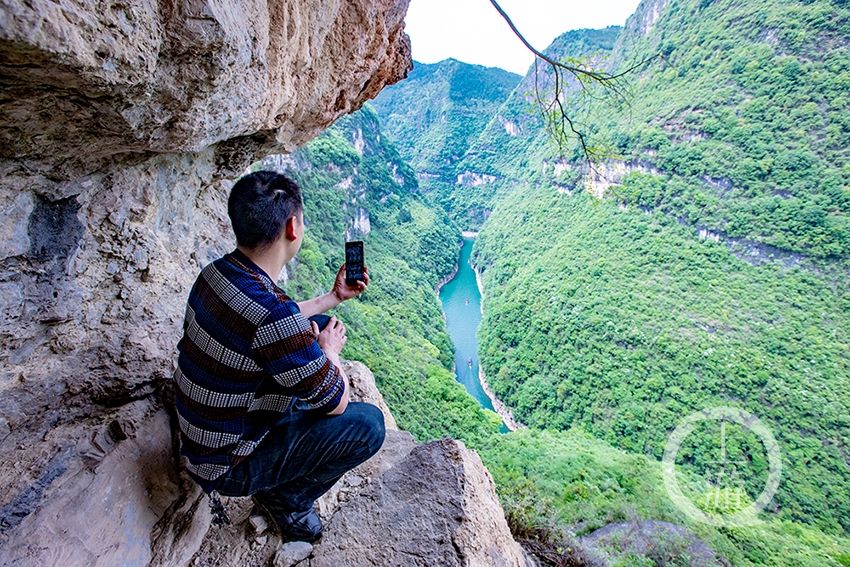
410	504
122	128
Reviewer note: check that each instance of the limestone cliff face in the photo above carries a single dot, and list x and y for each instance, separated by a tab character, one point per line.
122	127
87	82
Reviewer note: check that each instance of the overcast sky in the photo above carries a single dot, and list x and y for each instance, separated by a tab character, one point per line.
472	31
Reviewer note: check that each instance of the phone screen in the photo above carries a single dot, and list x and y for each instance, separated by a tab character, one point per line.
353	261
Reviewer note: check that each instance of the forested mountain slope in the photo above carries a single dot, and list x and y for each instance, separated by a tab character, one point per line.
440	109
356	186
503	152
744	125
502	149
625	319
437	113
580	334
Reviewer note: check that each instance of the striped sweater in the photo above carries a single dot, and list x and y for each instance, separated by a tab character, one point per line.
246	354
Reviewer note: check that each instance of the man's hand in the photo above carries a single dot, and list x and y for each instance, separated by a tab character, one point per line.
331	339
339	293
343	291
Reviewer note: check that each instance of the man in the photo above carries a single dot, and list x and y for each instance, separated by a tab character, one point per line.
261	397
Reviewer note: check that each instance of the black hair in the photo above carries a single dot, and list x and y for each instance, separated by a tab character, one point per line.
259	205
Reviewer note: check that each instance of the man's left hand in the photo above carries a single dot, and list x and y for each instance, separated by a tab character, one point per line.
343	291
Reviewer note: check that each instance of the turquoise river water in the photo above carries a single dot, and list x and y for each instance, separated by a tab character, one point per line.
462	307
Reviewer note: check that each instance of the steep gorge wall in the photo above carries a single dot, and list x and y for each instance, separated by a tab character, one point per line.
121	128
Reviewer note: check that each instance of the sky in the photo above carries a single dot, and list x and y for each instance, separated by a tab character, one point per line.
472	31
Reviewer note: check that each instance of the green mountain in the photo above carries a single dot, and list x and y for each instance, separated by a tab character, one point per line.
501	153
434	115
438	112
702	261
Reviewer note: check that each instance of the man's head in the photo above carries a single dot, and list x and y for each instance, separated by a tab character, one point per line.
266	210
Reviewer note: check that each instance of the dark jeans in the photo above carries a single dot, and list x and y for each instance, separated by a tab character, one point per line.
304	455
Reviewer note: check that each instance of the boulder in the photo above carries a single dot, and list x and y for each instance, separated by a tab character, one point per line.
104	496
423	505
292	553
438	506
656	541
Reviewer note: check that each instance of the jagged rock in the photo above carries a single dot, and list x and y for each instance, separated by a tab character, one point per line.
292	553
438	506
654	540
259	525
432	504
85	83
363	389
397	445
121	129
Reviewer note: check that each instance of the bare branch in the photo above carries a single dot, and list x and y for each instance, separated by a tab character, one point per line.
557	126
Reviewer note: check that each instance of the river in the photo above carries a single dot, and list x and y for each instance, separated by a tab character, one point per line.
461	302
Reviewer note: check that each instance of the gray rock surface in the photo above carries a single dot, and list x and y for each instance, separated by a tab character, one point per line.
424	505
258	523
94	81
364	389
103	497
437	506
292	553
652	539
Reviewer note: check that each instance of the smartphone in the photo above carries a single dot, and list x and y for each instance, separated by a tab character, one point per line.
354	262
321	320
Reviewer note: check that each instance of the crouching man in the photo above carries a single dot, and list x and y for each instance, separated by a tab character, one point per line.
261	398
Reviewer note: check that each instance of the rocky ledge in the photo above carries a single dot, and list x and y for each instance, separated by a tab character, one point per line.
410	504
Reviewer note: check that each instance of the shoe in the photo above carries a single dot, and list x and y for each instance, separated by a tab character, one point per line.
296	526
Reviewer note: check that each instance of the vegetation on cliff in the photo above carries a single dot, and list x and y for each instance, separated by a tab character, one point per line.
434	116
621	320
720	279
622	323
